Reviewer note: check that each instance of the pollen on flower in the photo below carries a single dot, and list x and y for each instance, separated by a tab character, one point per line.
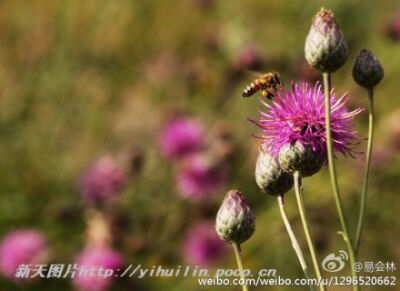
299	115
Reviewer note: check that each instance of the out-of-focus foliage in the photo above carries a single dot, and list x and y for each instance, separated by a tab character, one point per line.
79	79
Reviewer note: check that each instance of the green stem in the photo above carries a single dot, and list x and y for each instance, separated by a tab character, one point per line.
333	175
236	248
300	204
295	243
364	194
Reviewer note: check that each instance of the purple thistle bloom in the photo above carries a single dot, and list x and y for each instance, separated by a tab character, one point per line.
203	246
180	137
200	177
102	181
96	257
299	115
21	247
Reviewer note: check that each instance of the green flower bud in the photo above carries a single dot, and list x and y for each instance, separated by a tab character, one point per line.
270	177
325	48
235	221
367	70
298	157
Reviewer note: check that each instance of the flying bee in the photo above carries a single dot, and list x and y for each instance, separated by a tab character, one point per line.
267	83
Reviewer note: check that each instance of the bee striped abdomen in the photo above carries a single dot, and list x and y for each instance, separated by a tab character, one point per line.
251	89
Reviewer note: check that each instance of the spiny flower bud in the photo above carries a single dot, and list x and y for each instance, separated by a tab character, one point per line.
235	221
299	157
270	177
367	70
325	49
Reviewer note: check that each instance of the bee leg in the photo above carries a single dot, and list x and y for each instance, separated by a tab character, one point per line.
270	95
264	93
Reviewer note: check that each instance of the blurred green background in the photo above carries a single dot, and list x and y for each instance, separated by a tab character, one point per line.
82	78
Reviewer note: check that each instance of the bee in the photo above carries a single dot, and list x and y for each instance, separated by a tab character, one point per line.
267	83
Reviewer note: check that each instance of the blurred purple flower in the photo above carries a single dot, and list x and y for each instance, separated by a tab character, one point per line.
102	181
248	57
199	176
95	257
202	245
393	28
21	247
299	115
181	136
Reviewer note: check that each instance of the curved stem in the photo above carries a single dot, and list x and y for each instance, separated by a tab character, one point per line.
364	194
236	248
293	239
300	204
333	175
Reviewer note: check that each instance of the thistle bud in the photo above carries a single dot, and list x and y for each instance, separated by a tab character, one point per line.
270	177
235	221
325	49
299	157
367	70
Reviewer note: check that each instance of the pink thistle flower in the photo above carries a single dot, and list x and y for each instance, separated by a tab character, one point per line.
97	257
202	245
299	115
180	137
21	247
199	177
102	181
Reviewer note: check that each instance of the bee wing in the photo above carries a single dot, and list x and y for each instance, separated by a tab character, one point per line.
253	74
